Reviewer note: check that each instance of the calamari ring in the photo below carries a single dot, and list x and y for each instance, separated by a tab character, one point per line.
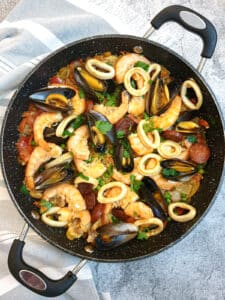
153	143
149	222
191	84
140	91
63	124
169	149
150	170
103	199
156	69
93	65
63	218
60	160
181	218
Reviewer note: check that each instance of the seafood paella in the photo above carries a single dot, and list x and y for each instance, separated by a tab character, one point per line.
113	149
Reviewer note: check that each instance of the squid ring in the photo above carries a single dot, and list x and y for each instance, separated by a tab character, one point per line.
150	222
191	84
150	170
127	83
60	160
63	124
154	71
145	138
169	149
94	66
181	218
103	199
46	217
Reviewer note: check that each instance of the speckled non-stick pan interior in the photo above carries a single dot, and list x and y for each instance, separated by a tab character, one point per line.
14	173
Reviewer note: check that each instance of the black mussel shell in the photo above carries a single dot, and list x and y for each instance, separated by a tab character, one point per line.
123	156
52	176
176	169
98	139
83	84
151	195
39	98
113	235
158	97
174	88
50	137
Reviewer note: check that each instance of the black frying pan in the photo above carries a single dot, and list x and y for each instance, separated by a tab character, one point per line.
14	173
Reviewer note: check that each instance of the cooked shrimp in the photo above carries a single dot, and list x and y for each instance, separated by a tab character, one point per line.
139	210
68	193
137	146
136	106
163	183
114	113
170	116
78	143
42	121
126	62
125	178
81	224
94	169
37	158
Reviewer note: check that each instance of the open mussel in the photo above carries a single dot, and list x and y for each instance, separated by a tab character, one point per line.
123	156
152	196
96	122
113	235
50	136
176	169
187	127
53	98
52	176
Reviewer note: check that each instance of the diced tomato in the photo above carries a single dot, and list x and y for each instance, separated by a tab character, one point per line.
89	105
55	79
26	124
194	101
203	123
24	148
180	211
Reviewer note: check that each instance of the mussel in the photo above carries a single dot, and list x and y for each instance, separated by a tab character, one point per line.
123	156
53	98
113	235
52	176
50	136
188	127
94	121
152	196
176	169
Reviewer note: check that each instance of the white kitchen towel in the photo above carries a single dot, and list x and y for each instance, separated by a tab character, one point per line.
30	32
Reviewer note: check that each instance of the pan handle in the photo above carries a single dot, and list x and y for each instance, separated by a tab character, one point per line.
34	279
191	21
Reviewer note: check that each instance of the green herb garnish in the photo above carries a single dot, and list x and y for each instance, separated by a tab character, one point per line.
81	93
192	139
63	146
77	122
126	153
183	197
33	143
120	134
149	126
46	204
135	184
100	96
141	64
108	173
24	190
89	160
112	99
67	132
142	235
81	175
167	197
146	116
103	126
115	219
200	169
133	84
150	81
169	172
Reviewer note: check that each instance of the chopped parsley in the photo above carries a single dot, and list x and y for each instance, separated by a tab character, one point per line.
114	219
146	116
167	197
100	97
81	175
192	139
141	64
77	122
67	132
133	84
103	126
63	146
135	184
108	173
142	235
183	197
81	93
126	153
101	182
46	204
120	134
150	81
169	172
89	160
149	126
24	190
200	169
112	99
33	143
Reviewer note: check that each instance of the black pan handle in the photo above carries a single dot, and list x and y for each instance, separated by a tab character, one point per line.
192	21
34	279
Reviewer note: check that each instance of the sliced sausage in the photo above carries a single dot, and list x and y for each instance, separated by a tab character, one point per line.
120	214
199	153
173	135
126	124
97	212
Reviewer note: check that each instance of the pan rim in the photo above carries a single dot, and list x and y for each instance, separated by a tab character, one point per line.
106	36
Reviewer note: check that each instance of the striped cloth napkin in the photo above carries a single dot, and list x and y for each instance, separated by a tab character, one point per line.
29	33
